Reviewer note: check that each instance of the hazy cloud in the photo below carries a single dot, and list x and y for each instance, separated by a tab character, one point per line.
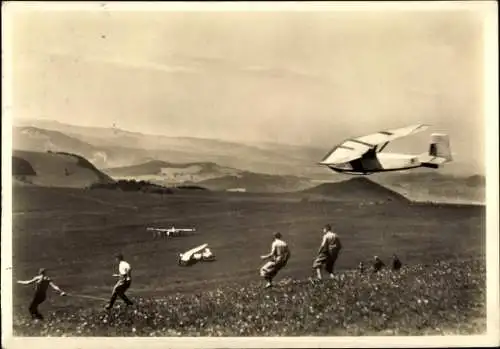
296	77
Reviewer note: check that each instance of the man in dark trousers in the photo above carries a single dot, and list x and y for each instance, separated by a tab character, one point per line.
124	281
328	252
279	255
42	283
396	263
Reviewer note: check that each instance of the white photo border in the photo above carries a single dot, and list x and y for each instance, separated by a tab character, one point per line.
488	9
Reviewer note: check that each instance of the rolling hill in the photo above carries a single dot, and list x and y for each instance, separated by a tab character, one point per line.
428	185
174	173
359	189
124	148
39	140
257	183
209	175
55	170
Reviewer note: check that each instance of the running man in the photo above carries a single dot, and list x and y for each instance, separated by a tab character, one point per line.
124	281
42	283
280	254
327	252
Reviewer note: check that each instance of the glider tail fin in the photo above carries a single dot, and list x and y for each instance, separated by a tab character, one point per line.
439	151
440	146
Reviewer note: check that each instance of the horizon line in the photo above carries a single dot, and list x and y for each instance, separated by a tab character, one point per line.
27	119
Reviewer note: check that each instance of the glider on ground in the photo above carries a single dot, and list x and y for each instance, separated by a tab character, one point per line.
363	155
200	253
159	232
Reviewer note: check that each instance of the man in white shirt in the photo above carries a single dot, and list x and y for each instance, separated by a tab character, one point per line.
124	281
42	283
280	254
327	252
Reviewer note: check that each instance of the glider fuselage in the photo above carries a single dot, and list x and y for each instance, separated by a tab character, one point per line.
378	162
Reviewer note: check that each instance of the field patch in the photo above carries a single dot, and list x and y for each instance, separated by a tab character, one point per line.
75	233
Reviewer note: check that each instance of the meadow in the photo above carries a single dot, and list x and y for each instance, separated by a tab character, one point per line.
75	233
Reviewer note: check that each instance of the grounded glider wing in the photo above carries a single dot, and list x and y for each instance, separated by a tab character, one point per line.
187	256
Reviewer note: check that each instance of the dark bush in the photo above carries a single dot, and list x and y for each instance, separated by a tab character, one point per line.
190	187
133	185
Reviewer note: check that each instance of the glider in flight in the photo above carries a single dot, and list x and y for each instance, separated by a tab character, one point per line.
363	155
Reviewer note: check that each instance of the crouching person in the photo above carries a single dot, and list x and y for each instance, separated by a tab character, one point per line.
378	264
280	254
396	263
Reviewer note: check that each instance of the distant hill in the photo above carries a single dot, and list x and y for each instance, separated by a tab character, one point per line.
172	173
475	181
51	169
123	148
208	175
431	185
359	189
157	158
40	140
257	182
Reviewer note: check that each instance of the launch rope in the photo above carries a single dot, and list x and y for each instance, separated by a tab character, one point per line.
85	296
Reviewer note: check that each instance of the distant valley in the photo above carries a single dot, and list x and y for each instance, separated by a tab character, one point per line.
209	175
213	164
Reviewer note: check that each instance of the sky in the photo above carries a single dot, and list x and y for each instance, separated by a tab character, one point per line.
291	77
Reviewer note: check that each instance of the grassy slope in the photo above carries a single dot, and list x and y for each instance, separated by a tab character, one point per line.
60	170
444	298
74	233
